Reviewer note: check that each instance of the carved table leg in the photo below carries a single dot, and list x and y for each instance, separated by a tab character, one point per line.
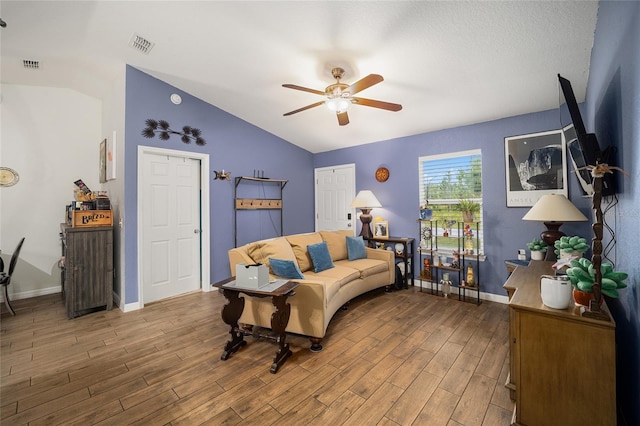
231	313
279	321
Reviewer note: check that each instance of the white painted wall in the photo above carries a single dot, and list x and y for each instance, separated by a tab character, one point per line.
51	137
113	120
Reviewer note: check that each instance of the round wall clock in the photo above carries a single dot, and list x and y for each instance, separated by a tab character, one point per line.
382	174
8	177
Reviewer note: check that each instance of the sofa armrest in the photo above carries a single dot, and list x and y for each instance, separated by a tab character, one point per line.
237	255
386	255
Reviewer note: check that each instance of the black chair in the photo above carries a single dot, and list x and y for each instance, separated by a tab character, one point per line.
5	277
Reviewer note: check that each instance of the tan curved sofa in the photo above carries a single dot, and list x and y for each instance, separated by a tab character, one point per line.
321	294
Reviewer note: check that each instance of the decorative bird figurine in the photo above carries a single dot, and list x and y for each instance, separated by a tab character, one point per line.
222	175
601	168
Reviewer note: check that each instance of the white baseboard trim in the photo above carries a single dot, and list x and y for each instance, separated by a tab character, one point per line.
33	293
128	307
483	296
494	298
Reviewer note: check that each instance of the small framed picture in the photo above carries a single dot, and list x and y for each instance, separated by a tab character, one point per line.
111	157
381	228
102	165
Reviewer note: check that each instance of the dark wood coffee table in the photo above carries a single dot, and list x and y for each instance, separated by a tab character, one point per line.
231	312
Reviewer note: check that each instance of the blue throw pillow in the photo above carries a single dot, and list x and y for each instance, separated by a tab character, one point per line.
320	256
285	269
355	248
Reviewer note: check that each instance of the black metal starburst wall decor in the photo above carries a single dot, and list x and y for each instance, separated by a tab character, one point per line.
164	132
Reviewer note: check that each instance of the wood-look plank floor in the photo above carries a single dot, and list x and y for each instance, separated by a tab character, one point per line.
405	358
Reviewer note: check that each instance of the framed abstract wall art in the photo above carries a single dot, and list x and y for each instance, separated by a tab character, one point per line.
536	165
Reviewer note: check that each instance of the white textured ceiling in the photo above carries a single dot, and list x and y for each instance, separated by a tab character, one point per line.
448	63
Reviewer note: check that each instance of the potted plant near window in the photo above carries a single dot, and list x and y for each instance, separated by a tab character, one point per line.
425	211
570	246
538	249
469	209
582	276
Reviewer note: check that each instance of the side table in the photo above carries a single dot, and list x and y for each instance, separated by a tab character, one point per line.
231	312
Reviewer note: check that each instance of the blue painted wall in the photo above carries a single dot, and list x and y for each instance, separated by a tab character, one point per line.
613	113
233	145
505	232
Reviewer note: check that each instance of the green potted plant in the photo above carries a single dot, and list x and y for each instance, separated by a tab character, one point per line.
468	208
582	276
425	211
538	249
570	246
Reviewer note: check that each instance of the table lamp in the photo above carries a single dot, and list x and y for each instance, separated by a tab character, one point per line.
365	201
553	210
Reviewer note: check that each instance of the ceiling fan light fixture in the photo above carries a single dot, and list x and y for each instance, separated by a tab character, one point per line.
338	104
338	96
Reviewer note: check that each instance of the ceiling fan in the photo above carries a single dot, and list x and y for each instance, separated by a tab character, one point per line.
339	96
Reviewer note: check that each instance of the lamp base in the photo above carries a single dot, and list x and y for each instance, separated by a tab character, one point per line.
550	236
366	218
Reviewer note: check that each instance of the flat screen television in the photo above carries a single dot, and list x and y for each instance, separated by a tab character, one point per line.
584	149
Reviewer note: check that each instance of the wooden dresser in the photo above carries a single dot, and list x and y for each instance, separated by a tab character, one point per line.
562	365
87	278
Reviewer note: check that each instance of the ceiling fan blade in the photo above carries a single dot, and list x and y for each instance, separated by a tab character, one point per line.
304	108
304	89
343	118
364	83
377	104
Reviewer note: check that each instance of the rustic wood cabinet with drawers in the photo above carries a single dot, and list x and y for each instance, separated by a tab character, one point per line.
87	274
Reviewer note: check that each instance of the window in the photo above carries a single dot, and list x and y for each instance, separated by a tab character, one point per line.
446	179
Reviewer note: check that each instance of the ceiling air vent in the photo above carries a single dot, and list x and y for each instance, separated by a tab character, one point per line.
30	64
141	44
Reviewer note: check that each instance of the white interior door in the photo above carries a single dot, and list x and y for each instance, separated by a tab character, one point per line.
335	189
171	227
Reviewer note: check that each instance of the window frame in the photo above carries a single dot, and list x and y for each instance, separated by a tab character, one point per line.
475	154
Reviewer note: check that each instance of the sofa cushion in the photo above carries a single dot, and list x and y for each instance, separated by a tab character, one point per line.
366	267
330	285
299	245
285	268
336	277
320	256
278	248
355	248
337	243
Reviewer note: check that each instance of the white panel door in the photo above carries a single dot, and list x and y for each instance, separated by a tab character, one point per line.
171	226
335	190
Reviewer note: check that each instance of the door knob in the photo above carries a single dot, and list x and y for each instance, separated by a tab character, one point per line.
196	231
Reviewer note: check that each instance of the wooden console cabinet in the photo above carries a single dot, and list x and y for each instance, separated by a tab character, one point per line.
87	278
562	365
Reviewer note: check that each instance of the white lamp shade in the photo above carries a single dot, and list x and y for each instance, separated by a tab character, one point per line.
365	200
554	208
